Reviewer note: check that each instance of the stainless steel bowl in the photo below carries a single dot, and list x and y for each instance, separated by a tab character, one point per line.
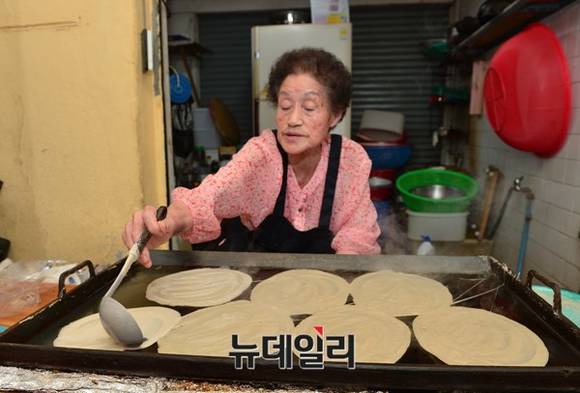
438	191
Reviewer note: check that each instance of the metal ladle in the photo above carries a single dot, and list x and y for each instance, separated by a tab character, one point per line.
115	318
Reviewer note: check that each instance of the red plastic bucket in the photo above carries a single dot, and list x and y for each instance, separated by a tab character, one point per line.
381	189
389	174
528	93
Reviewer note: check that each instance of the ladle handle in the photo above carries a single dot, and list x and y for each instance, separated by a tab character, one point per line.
146	235
134	252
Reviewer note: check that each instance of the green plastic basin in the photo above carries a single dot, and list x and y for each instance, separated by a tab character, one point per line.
443	177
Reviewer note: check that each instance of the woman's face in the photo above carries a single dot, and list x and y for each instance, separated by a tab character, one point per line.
303	116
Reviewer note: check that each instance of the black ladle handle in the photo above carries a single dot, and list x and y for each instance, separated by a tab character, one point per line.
146	235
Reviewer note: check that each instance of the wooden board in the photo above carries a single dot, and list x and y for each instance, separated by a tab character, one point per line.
48	293
477	81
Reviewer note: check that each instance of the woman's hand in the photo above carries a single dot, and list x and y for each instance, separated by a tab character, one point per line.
178	219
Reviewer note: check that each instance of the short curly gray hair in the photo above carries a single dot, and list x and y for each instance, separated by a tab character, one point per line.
323	66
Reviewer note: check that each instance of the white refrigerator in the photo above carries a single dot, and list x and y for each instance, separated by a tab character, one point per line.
270	42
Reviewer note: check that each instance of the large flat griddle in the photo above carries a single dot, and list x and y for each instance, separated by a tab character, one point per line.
29	344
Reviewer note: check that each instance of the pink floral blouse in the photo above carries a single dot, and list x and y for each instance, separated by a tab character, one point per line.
248	187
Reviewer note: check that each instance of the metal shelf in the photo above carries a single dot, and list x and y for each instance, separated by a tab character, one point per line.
512	20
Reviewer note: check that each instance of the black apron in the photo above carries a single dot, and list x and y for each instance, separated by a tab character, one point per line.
276	233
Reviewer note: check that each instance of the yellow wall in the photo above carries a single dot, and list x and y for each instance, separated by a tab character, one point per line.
81	127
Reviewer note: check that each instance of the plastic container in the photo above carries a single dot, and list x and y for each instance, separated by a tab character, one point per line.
383	209
448	227
381	189
386	155
380	136
382	183
426	177
527	92
382	121
389	174
204	131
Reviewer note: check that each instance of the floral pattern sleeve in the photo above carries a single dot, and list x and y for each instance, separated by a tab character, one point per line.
246	187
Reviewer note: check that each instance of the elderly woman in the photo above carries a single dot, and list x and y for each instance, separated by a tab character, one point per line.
295	189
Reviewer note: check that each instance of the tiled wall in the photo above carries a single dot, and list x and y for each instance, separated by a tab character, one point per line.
554	243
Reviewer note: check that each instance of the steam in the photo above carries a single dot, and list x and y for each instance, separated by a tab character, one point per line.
393	239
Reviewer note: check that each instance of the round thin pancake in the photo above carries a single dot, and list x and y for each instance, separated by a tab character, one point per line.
399	294
208	332
88	332
302	291
379	337
474	337
198	287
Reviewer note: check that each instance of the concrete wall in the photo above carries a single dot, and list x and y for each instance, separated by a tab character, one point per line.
82	140
554	245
